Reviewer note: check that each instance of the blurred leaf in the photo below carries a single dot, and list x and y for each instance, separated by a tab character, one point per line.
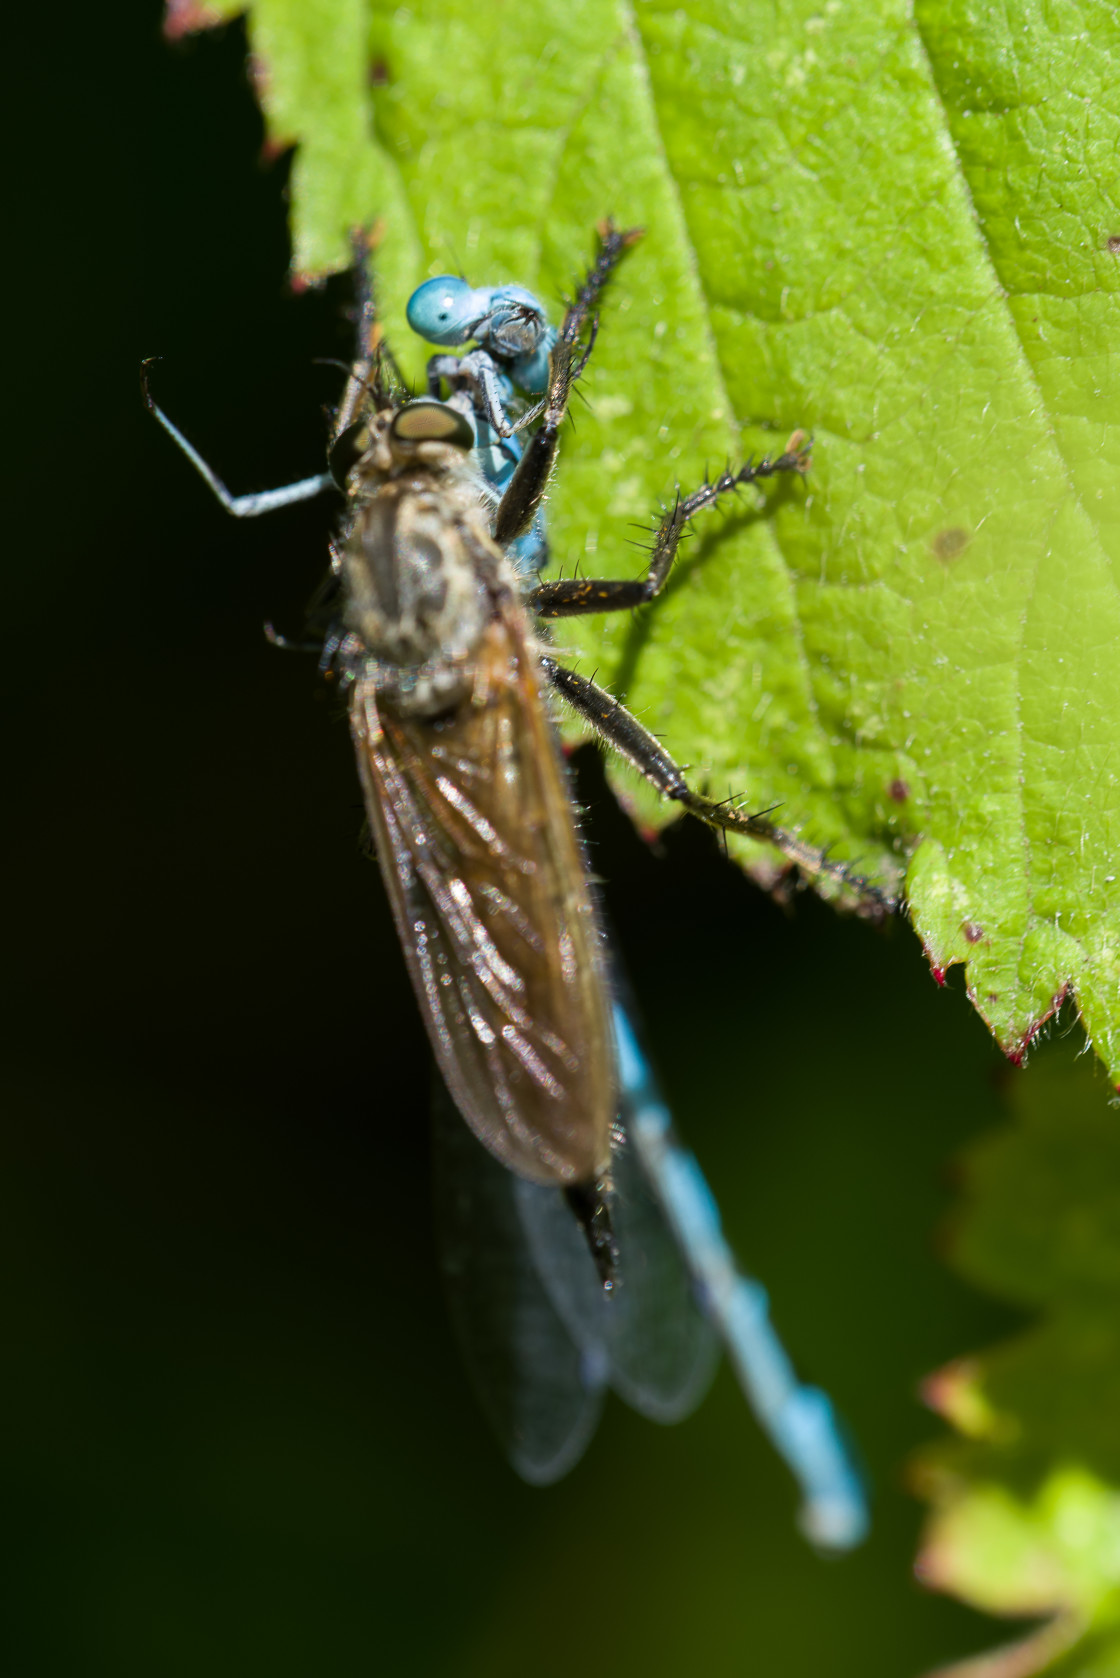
1027	1503
890	225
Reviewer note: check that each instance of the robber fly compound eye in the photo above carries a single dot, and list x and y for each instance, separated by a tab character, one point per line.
346	450
426	421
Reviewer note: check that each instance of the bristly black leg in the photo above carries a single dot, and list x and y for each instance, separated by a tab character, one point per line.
591	1207
527	486
574	596
620	729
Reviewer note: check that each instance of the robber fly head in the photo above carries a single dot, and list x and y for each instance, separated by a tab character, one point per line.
395	437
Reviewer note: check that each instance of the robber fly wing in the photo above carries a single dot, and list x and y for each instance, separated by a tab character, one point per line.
478	849
540	1389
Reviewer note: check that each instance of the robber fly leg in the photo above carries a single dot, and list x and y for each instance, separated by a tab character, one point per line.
527	486
590	1205
241	506
572	596
620	729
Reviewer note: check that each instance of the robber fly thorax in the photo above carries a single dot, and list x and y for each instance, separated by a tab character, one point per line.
421	579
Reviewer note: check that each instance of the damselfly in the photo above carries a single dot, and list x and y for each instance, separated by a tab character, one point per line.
465	791
540	1369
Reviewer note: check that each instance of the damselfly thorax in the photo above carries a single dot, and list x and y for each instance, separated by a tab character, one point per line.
466	797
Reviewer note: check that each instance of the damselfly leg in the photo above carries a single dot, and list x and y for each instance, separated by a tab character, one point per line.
249	506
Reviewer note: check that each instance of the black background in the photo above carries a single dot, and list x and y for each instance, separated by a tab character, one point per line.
235	1435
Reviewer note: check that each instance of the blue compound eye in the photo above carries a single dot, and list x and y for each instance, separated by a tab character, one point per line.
444	310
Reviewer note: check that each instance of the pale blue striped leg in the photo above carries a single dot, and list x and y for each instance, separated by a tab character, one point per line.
800	1420
249	506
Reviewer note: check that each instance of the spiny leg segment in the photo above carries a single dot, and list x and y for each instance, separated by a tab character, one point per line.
527	486
573	596
619	728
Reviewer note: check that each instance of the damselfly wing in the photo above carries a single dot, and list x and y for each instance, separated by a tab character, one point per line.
540	1337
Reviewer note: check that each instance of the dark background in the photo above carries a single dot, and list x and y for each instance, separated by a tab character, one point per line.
234	1434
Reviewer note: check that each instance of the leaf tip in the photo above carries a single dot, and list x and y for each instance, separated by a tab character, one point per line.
188	17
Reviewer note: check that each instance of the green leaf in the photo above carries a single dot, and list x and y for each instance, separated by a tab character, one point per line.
894	226
1027	1502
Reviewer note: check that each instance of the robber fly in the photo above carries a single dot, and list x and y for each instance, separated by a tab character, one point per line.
466	798
432	635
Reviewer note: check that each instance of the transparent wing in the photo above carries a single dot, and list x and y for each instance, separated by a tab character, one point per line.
540	1337
660	1351
663	1351
540	1388
479	854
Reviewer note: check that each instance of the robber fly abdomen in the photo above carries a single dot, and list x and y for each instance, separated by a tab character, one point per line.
465	795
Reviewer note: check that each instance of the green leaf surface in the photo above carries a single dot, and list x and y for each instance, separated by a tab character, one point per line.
894	226
1027	1501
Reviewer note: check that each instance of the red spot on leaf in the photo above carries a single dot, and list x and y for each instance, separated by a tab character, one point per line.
899	791
939	975
972	932
1018	1052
